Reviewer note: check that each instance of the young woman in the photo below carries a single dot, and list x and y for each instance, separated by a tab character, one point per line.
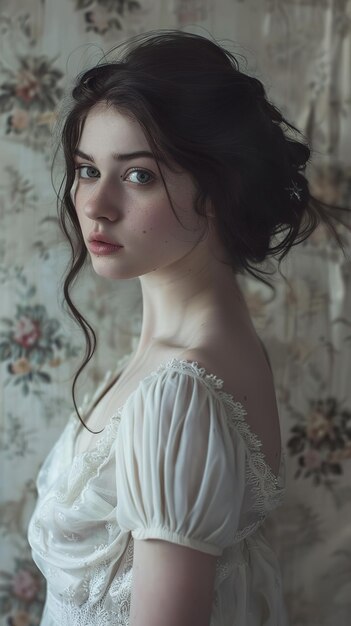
178	171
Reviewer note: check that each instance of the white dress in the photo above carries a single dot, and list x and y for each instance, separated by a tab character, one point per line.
177	462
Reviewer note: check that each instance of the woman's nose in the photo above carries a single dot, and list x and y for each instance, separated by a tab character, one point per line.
101	201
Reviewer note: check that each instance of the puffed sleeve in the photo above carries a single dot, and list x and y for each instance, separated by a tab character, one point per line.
180	473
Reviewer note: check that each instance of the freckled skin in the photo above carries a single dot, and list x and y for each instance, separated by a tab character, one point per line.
124	208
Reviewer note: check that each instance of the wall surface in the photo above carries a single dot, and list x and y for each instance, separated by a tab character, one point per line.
301	50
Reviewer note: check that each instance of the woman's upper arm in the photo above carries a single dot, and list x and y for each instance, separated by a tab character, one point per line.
173	585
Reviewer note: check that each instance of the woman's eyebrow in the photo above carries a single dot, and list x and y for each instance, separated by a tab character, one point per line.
119	157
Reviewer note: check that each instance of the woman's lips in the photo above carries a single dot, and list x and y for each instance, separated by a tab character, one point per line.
103	248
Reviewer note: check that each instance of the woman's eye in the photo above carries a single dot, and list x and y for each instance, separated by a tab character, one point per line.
142	176
90	171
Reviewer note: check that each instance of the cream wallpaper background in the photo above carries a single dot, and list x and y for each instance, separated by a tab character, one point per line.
301	50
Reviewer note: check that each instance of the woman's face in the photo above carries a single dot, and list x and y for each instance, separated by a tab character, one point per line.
123	198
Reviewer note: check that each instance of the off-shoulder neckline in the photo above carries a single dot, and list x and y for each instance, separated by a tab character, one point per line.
215	385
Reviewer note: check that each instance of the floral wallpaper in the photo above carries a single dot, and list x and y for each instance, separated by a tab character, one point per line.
301	50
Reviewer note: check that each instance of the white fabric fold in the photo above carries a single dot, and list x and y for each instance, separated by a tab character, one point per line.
177	462
180	474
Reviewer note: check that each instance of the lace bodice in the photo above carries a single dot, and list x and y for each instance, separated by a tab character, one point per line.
92	506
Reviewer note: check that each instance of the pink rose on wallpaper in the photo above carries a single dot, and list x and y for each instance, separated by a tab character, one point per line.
26	332
324	442
25	585
312	459
318	426
27	87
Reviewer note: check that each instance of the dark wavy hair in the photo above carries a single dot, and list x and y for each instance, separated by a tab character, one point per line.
196	107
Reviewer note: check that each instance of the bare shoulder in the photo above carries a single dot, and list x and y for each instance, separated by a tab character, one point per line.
240	360
242	363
